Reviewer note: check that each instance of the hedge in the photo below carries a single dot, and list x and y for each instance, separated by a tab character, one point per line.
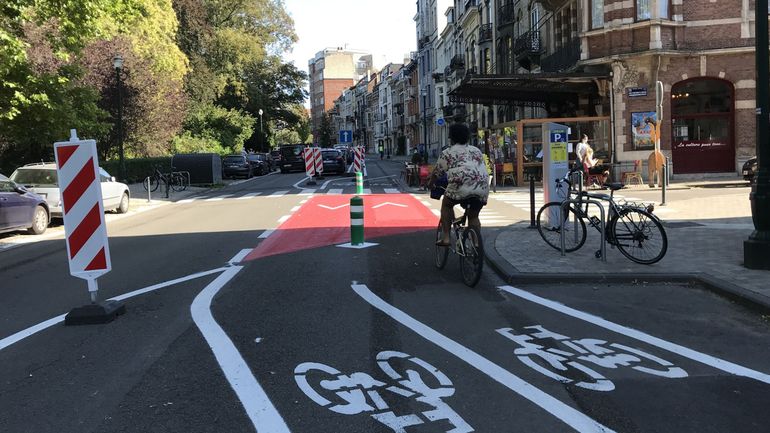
137	169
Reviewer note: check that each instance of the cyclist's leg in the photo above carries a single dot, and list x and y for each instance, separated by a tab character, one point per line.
447	216
474	209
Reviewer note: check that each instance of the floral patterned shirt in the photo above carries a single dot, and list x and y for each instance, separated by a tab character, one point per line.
466	173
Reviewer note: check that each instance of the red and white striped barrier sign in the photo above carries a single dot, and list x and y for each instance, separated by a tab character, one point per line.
77	166
359	160
309	156
319	162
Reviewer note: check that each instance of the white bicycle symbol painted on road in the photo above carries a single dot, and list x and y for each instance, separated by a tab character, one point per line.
566	366
408	377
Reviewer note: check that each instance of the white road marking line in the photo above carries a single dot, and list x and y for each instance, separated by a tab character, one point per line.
438	212
266	233
568	415
187	200
367	191
392	191
264	416
294	209
219	197
278	194
248	196
674	348
283	219
307	192
389	203
334	191
15	338
296	185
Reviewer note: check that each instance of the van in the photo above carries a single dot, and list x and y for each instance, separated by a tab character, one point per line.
292	158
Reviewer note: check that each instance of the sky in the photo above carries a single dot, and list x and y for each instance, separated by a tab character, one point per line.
385	28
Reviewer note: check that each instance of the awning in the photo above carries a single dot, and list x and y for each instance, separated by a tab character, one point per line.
536	89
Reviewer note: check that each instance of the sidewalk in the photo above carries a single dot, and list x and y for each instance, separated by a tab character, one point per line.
705	245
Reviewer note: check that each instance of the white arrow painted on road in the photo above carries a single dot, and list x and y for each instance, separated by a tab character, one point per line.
333	208
389	203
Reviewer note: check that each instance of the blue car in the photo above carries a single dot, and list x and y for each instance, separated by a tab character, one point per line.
21	209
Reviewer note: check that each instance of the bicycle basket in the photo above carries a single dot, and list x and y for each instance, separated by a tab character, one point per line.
439	187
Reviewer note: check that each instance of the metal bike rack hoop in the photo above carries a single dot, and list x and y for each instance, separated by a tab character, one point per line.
578	202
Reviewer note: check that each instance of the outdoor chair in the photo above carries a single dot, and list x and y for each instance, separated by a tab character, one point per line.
627	177
508	174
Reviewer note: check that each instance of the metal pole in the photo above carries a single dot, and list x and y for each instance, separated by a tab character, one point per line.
664	183
120	130
425	125
756	249
532	201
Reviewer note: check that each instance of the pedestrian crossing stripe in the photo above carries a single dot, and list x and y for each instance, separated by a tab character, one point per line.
219	198
391	191
248	196
278	194
335	191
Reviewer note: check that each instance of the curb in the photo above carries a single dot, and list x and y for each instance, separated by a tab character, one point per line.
511	275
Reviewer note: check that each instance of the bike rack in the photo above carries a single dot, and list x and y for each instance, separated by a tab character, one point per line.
578	202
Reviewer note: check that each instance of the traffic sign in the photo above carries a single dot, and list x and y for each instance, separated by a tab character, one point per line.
440	121
346	136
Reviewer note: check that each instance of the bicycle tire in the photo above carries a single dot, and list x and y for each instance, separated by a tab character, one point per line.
636	232
153	184
472	259
175	182
552	234
182	181
441	252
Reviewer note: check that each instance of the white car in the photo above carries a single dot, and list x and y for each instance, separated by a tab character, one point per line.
41	178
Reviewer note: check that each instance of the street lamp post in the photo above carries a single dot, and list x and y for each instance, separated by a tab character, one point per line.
261	135
756	249
117	61
424	94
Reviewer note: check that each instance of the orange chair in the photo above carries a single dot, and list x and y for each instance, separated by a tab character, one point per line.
628	176
508	173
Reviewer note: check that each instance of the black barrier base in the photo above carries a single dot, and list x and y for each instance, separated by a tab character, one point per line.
94	314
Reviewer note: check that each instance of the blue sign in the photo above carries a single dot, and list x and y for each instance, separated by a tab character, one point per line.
346	136
558	136
440	121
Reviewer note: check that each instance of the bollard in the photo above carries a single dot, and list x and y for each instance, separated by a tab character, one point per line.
356	221
663	184
149	196
359	183
532	202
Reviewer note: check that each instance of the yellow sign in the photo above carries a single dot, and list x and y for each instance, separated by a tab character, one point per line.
559	152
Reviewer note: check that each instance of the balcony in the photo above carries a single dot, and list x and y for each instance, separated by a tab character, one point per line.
563	58
527	48
485	33
506	15
438	77
457	62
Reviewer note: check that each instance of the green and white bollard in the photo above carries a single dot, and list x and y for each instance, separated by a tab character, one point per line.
359	183
356	220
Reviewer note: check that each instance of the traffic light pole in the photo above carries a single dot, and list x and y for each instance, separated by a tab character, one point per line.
756	249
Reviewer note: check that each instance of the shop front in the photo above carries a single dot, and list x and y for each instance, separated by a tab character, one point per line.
703	126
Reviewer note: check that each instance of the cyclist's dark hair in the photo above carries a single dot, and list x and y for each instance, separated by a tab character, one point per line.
459	133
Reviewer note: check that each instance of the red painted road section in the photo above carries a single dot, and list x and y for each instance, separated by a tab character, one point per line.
325	220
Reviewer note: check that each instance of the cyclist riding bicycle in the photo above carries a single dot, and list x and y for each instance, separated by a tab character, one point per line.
467	180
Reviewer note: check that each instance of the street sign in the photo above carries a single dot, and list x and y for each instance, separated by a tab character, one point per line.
636	91
346	136
440	121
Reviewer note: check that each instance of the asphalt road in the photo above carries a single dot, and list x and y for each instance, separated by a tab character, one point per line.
319	338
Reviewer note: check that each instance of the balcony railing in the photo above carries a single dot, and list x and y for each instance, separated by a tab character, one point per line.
506	15
457	62
485	33
528	43
563	58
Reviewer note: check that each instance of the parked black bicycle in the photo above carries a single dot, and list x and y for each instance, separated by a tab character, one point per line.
631	227
176	180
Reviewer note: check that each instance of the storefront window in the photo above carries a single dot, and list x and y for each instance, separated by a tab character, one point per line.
701	97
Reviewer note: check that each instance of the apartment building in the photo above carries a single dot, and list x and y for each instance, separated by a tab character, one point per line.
332	71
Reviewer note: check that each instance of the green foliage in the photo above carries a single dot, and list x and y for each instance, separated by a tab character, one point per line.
188	143
325	132
228	128
138	169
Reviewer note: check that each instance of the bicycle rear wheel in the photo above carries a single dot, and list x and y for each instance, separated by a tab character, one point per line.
175	182
441	252
550	228
472	258
639	235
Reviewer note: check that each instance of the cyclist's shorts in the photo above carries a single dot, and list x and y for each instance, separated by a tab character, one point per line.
474	203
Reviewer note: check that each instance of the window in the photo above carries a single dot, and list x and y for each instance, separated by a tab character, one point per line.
597	14
645	9
534	17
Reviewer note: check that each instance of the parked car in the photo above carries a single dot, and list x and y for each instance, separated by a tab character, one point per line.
42	179
21	209
750	170
237	165
292	158
347	152
333	161
275	155
259	164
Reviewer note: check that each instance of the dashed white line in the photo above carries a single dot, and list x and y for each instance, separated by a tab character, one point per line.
278	194
335	191
248	196
392	191
436	212
295	208
219	197
265	234
187	200
367	191
283	219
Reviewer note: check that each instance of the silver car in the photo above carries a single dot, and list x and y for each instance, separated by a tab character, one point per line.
41	178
